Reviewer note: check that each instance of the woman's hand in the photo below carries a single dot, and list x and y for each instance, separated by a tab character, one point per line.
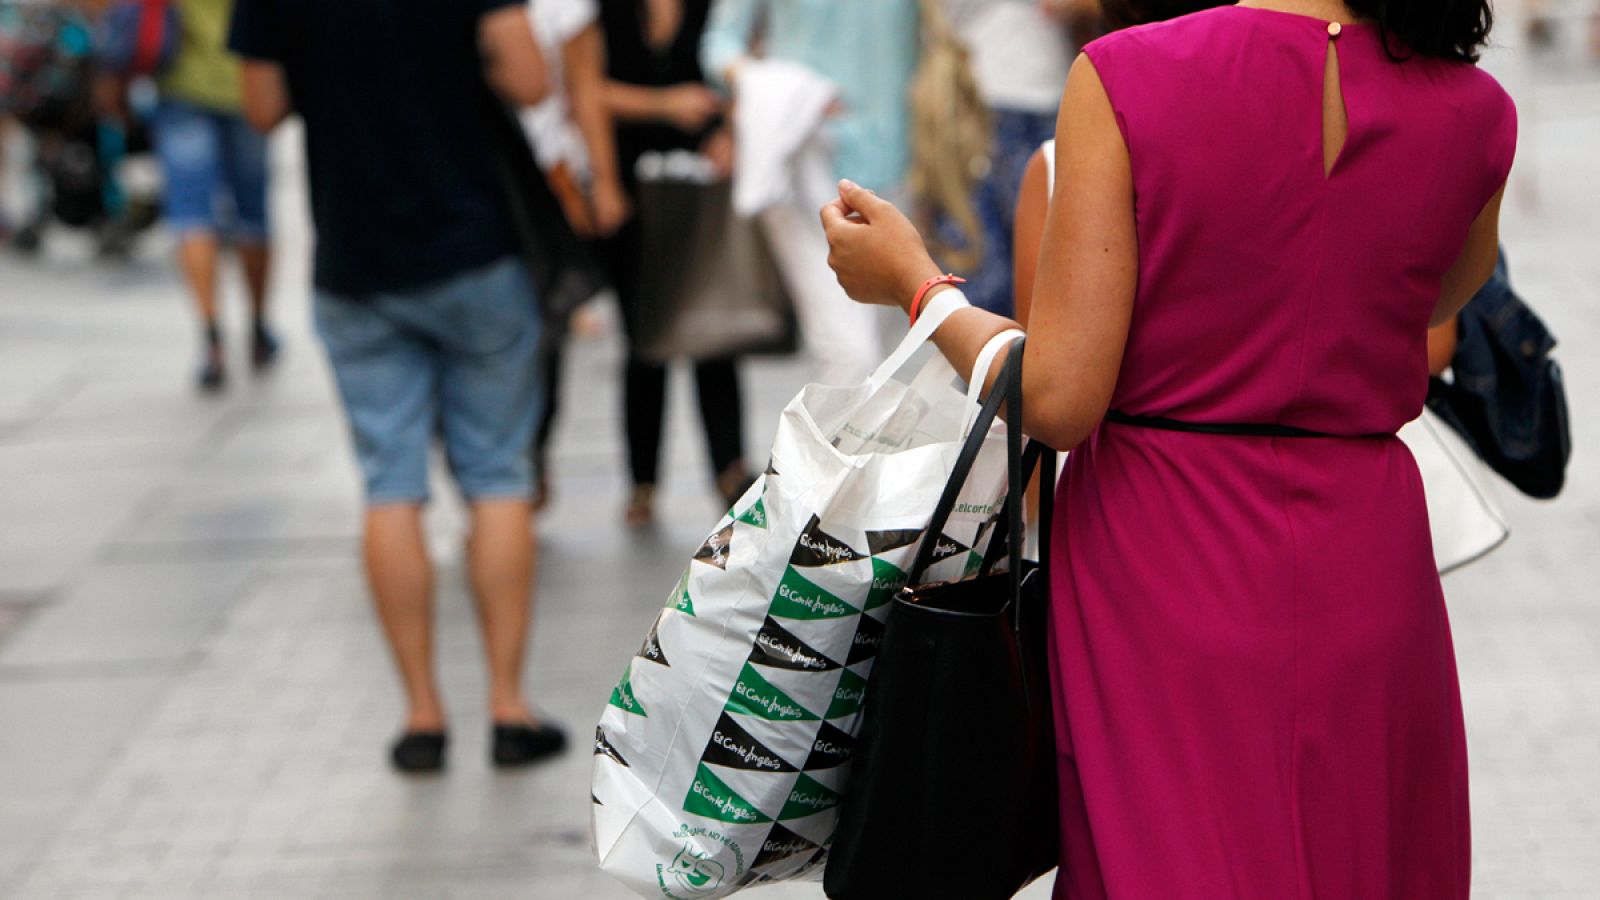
874	249
718	149
689	107
611	207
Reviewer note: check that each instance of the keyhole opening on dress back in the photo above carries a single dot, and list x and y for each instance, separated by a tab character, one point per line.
1335	120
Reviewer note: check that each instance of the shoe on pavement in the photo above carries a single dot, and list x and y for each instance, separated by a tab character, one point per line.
522	744
419	752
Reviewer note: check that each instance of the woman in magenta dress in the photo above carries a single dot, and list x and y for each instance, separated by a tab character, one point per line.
1258	213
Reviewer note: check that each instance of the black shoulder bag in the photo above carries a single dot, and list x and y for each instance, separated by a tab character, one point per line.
1506	397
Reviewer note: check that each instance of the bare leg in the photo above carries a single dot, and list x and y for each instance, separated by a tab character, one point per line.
501	560
256	260
401	577
197	257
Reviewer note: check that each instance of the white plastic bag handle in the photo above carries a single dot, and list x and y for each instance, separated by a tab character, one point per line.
980	373
933	315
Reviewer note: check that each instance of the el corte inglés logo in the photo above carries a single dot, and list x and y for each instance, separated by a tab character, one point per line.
716	548
756	696
798	598
808	797
847	697
868	637
736	748
781	844
776	647
711	798
831	748
819	548
622	695
755	515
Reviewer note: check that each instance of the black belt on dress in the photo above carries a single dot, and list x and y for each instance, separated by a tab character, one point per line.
1225	428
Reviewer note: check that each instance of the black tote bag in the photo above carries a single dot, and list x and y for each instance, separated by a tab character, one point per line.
952	791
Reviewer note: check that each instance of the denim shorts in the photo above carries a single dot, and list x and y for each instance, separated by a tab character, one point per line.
457	359
214	169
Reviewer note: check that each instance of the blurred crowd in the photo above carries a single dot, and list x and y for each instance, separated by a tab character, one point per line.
481	170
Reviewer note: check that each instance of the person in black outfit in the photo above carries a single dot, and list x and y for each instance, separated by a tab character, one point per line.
660	103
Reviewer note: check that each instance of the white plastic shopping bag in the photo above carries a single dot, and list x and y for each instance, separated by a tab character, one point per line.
1465	519
720	756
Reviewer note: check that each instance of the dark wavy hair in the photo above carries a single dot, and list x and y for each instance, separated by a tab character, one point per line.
1446	29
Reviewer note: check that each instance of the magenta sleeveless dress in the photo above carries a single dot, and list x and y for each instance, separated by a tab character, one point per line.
1256	689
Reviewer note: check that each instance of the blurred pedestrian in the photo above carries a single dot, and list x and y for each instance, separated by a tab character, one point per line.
427	314
865	51
573	138
659	99
1229	362
214	169
1020	51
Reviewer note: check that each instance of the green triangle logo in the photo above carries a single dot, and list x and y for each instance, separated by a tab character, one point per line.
754	695
887	580
622	695
679	599
807	798
755	515
711	798
798	598
974	563
847	696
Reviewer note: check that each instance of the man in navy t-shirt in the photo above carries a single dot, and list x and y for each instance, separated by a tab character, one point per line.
427	314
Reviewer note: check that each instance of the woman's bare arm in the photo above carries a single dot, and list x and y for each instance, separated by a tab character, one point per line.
584	65
1442	346
1472	270
1033	201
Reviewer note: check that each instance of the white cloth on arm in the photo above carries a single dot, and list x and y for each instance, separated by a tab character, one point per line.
549	124
841	333
780	141
782	177
1020	54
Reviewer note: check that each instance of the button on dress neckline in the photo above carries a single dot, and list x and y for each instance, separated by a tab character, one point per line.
1334	28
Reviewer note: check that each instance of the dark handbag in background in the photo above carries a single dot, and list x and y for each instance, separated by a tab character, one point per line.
1506	396
564	272
952	792
715	289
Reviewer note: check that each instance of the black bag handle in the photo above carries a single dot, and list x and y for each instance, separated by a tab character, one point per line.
999	544
1009	383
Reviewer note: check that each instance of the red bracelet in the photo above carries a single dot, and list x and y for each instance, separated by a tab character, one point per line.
930	284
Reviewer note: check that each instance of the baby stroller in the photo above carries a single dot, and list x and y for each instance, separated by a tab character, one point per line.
47	84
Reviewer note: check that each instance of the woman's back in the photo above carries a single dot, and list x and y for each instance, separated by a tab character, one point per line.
1258	620
1279	280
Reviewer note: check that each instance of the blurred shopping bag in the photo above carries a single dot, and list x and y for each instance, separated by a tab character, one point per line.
1465	519
716	289
957	734
720	758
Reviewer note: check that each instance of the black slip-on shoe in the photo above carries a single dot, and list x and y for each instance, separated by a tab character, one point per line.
418	752
522	745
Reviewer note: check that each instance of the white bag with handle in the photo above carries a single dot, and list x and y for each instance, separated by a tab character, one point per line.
720	756
1465	519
